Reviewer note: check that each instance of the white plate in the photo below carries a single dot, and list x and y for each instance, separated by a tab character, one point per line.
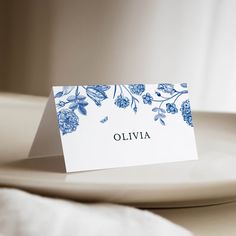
210	180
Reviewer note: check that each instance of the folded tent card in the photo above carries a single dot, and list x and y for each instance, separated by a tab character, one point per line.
108	126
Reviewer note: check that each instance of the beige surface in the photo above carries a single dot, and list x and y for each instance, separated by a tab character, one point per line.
204	221
18	126
210	180
25	32
72	42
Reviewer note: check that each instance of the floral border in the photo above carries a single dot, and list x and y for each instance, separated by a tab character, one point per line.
70	102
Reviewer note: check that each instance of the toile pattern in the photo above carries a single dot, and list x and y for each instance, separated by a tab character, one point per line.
71	103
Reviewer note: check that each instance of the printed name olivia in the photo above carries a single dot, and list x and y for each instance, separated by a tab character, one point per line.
131	136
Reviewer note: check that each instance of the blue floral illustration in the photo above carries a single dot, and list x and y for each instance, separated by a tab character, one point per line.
61	104
97	93
147	98
105	119
186	112
184	85
72	101
122	102
166	88
167	94
160	115
67	120
171	108
137	89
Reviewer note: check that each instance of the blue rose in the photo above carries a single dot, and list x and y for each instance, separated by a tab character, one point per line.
166	88
67	120
186	112
171	108
137	89
147	98
122	102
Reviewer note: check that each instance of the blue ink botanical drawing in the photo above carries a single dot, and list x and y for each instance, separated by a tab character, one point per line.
72	101
122	101
105	119
97	93
186	112
137	89
166	88
171	108
168	94
68	121
147	98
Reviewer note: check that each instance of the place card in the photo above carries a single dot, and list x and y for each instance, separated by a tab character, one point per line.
108	126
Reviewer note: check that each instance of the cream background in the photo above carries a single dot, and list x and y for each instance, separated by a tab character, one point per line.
107	41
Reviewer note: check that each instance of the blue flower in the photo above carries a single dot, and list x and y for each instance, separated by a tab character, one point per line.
61	104
97	93
171	108
137	89
79	104
166	88
186	112
122	101
67	120
147	98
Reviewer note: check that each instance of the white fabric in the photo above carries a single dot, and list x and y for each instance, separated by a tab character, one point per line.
25	214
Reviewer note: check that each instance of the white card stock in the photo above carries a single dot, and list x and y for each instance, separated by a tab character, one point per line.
108	126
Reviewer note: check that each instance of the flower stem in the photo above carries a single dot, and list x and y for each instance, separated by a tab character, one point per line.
130	94
115	87
177	97
77	91
176	94
121	90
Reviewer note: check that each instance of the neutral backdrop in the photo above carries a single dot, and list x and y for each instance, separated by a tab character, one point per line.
45	42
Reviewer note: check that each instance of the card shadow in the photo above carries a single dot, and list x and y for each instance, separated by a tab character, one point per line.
45	164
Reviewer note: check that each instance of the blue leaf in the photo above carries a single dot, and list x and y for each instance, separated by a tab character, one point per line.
105	119
71	98
162	110
161	115
67	89
83	103
81	97
58	95
162	122
82	110
155	109
156	117
103	87
184	85
73	105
